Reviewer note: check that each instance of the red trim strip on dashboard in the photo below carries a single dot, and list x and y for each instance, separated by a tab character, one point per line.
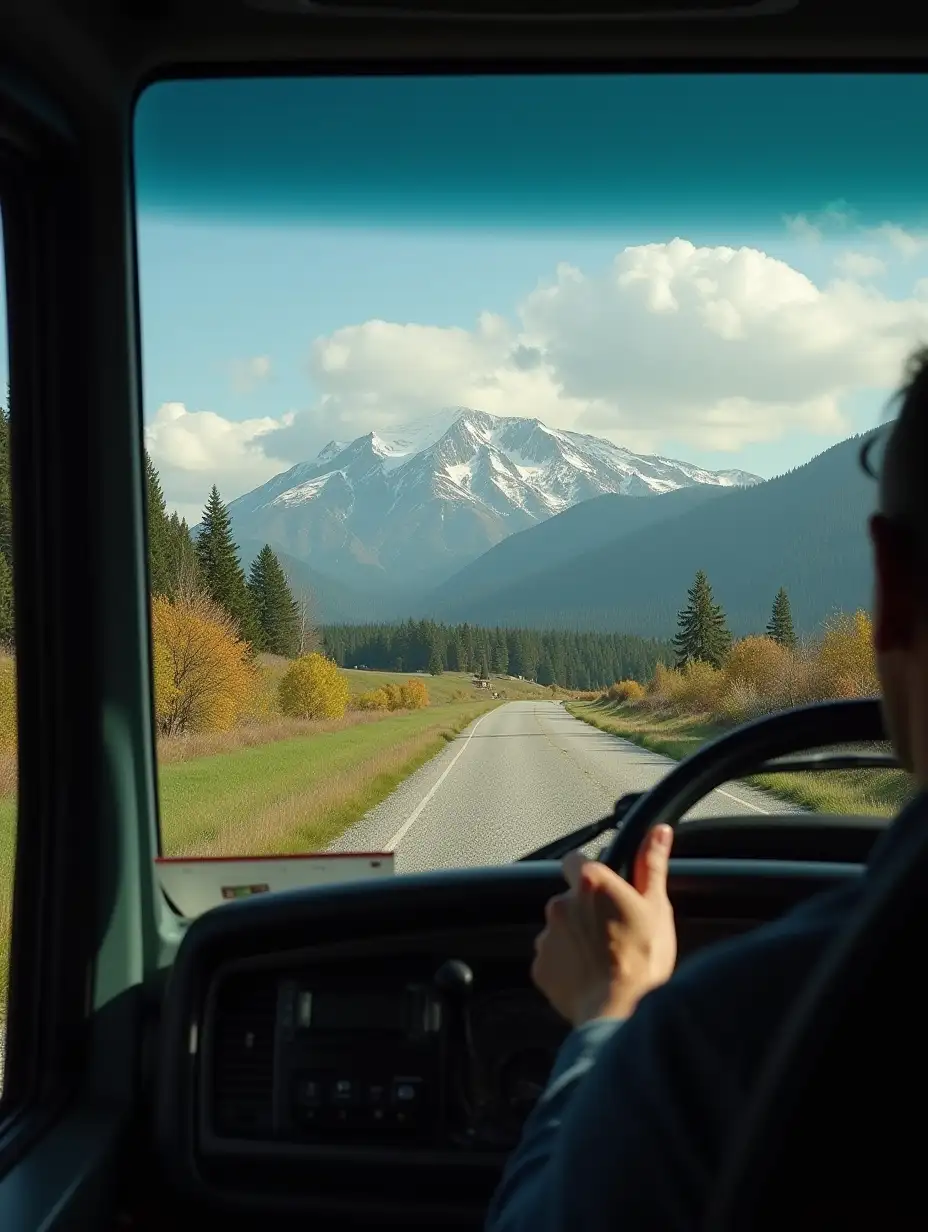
303	855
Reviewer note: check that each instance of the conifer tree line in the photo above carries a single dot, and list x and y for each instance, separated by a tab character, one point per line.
262	604
702	629
571	659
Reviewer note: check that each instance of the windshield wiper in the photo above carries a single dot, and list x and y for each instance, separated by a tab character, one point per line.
579	838
559	847
828	761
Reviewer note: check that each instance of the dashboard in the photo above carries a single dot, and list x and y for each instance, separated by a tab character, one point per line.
375	1048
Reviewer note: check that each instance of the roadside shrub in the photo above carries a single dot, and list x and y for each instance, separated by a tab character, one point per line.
625	691
697	687
313	688
660	686
414	695
846	657
394	696
740	701
375	699
7	703
203	674
756	662
263	705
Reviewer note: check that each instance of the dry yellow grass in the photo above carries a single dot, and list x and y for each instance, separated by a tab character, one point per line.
172	749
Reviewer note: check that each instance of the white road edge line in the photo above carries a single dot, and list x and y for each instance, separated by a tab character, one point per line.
401	832
745	803
664	757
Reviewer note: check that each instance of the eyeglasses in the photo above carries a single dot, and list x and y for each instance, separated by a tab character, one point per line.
873	445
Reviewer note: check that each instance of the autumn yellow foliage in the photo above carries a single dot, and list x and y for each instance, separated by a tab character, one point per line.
7	702
759	675
375	699
313	688
625	691
846	657
203	674
414	695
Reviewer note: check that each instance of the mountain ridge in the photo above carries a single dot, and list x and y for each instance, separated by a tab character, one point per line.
804	530
411	506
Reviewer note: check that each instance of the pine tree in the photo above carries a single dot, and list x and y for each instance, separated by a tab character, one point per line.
160	577
220	572
436	667
182	558
276	614
702	630
500	658
780	626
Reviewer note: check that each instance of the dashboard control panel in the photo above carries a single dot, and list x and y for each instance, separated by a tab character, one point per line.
365	1065
443	1058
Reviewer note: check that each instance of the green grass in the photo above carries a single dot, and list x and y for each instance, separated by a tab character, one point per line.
869	792
298	795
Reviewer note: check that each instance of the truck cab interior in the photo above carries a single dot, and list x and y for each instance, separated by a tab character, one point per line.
359	1055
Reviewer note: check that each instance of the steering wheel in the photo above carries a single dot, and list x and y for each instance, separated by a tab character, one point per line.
735	755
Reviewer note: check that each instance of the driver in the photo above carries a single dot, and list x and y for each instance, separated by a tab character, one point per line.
641	1103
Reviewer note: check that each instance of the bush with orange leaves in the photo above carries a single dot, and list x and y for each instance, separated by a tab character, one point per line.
312	687
625	691
203	674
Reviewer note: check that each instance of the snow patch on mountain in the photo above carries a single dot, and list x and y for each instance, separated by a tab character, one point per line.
427	496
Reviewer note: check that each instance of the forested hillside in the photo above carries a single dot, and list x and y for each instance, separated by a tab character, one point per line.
805	531
573	660
582	528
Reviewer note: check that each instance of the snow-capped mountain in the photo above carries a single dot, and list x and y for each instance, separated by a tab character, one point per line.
416	503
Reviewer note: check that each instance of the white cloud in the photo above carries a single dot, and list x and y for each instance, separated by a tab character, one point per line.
860	264
717	347
194	449
813	227
906	243
720	347
248	373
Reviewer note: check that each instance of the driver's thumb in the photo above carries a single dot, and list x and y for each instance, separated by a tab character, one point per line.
650	872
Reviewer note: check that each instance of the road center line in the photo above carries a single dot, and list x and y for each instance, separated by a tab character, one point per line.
401	832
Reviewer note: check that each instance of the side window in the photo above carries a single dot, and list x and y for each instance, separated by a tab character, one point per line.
7	684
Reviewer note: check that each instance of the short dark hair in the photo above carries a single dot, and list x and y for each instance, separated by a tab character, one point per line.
896	455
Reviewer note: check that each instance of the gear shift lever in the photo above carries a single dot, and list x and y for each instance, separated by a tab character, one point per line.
454	980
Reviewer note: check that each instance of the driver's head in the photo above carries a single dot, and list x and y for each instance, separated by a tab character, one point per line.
899	534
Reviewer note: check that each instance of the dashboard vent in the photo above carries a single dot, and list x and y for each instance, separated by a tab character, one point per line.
242	1088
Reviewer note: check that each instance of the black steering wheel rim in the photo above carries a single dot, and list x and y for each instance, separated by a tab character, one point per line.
737	754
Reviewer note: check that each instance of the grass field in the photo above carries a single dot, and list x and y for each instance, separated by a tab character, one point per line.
298	794
879	792
448	687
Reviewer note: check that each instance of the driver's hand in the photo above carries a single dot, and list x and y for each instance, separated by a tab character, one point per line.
606	942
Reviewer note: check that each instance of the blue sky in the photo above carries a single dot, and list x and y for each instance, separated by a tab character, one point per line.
217	293
325	257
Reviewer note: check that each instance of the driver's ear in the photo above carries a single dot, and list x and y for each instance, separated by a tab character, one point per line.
894	598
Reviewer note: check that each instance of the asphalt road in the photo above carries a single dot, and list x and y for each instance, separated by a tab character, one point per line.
519	776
